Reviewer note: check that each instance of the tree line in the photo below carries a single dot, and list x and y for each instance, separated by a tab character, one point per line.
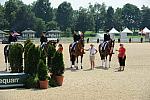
40	16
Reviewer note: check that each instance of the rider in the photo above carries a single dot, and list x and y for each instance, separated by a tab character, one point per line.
76	38
106	40
43	38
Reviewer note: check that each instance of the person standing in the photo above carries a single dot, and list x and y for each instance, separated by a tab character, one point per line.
121	57
92	51
60	48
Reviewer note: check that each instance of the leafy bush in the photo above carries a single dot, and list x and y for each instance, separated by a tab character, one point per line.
58	64
50	53
42	71
31	82
15	57
26	62
33	56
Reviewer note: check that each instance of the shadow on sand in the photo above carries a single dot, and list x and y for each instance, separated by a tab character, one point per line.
101	67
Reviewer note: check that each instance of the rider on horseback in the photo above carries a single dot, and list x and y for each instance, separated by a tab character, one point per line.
76	38
107	39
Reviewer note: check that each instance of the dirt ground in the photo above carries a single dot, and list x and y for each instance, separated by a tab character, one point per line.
97	84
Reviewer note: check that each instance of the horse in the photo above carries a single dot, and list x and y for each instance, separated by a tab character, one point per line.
6	55
106	50
74	54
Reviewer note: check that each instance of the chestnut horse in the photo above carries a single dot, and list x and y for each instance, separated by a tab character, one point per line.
74	54
106	51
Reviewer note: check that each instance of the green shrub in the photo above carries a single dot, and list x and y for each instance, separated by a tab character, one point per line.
42	71
15	57
52	82
58	64
33	56
50	53
31	82
26	62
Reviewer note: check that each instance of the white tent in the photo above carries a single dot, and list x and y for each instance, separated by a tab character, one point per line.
123	34
2	34
112	32
28	33
146	31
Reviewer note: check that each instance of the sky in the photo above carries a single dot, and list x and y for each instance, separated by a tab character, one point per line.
84	3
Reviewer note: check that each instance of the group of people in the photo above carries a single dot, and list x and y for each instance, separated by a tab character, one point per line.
121	53
43	40
92	49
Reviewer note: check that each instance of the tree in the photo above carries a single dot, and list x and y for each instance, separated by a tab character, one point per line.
131	16
11	8
118	19
109	18
3	22
145	22
43	10
64	15
24	18
51	25
39	26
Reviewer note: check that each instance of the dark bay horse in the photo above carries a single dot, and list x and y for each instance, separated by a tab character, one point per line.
6	55
74	54
105	50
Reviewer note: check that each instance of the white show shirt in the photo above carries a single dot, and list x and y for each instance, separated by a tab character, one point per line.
92	51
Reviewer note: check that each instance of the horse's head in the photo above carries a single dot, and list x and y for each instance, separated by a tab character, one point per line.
111	43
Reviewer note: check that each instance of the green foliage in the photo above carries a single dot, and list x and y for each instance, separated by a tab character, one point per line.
58	64
33	56
42	71
51	25
50	53
27	45
43	55
64	15
43	10
52	82
31	82
15	57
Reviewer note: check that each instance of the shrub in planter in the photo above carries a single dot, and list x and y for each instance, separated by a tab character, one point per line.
26	62
43	75
33	56
58	67
31	82
43	55
50	53
15	57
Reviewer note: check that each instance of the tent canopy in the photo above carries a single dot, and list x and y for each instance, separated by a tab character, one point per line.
1	32
113	31
145	30
54	31
28	31
126	30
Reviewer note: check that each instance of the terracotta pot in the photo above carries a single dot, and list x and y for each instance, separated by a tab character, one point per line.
43	84
59	80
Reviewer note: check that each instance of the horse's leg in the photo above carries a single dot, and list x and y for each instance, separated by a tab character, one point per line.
105	62
110	59
6	61
77	63
81	61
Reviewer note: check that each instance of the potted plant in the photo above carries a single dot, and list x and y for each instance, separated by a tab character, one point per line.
27	45
50	53
58	68
43	75
15	57
33	57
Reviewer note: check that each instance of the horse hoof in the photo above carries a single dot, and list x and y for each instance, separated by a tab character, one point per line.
81	67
